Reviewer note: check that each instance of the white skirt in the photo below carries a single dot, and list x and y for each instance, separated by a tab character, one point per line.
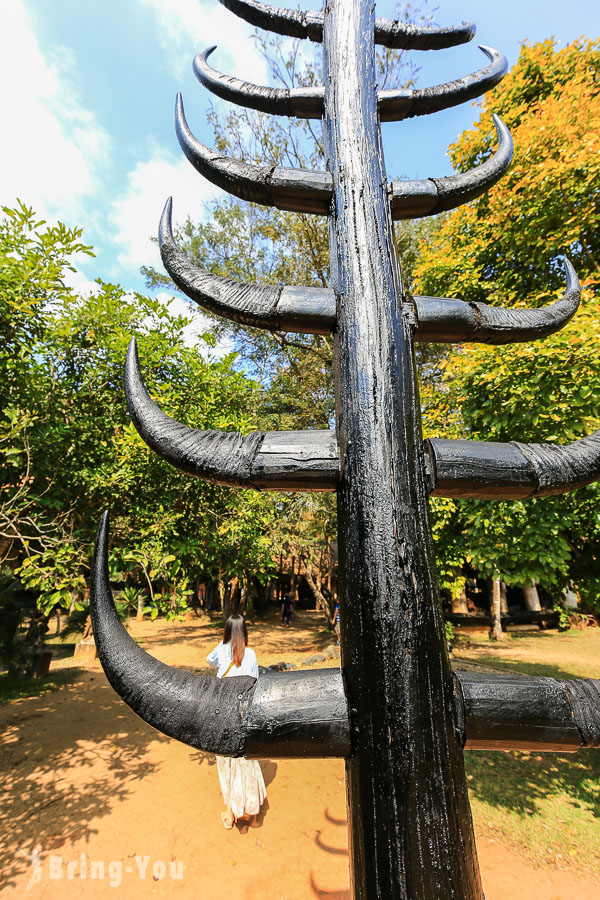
242	785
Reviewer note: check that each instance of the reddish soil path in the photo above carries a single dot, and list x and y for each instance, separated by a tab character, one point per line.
87	781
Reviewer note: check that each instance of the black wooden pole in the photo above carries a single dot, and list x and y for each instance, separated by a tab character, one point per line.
410	824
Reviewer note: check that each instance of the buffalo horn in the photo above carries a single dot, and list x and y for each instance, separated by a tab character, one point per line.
307	103
303	309
389	32
413	199
446	320
296	190
275	460
299	714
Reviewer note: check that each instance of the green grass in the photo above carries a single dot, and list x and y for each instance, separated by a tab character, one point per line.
545	805
16	687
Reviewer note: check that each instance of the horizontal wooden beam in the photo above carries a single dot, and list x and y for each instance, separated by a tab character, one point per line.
308	102
309	461
521	712
305	714
312	310
391	33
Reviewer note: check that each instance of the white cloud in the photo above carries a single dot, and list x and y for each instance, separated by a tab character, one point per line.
52	160
136	213
187	26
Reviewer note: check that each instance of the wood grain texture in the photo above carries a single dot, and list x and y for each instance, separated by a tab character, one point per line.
410	825
300	714
310	460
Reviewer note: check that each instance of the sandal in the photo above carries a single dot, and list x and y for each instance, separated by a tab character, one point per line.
227	820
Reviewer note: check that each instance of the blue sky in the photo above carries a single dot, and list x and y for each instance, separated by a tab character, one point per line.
88	88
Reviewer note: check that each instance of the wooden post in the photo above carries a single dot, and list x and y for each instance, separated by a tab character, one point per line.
410	825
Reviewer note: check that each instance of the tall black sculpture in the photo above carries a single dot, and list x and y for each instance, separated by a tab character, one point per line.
395	712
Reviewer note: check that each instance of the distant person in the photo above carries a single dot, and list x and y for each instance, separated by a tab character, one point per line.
242	782
335	621
287	608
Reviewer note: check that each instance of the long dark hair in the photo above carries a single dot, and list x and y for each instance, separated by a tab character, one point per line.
236	632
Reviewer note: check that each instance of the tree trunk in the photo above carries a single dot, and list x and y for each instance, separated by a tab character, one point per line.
322	604
140	606
503	600
531	596
459	603
411	833
496	633
231	601
221	591
294	580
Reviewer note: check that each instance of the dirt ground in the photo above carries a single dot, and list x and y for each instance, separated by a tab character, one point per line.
95	803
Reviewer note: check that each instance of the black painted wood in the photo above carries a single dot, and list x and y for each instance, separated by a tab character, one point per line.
495	471
394	105
309	460
303	309
198	710
516	712
415	199
389	32
305	714
410	825
312	310
285	461
292	189
299	190
298	714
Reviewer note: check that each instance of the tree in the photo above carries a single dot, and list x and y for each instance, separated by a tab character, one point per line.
69	449
505	248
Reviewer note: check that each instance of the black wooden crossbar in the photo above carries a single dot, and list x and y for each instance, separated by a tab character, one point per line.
312	310
309	460
305	713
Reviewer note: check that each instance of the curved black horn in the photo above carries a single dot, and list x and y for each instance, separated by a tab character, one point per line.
296	190
277	460
303	309
305	714
203	712
488	470
404	104
563	468
413	199
312	310
245	303
304	103
389	32
307	103
218	456
291	22
293	714
443	319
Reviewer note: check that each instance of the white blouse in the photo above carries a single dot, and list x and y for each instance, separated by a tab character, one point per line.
221	659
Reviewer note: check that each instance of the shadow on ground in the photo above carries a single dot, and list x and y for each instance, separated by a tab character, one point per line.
50	795
518	781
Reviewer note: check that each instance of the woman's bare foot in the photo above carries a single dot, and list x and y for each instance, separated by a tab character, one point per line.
243	824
